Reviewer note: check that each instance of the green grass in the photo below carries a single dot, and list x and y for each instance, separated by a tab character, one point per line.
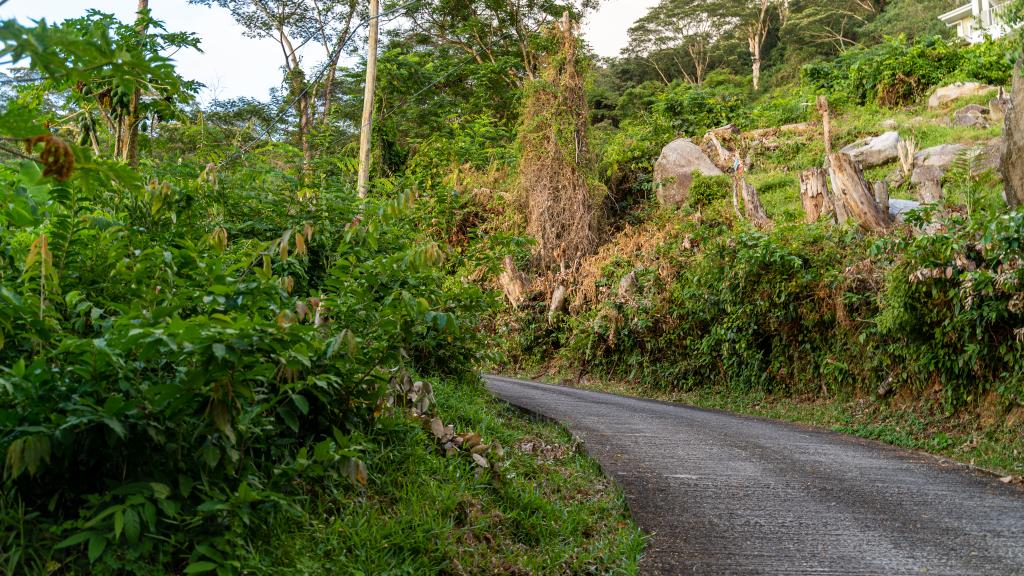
423	513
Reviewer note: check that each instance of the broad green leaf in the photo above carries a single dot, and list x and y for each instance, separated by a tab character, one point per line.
118	524
97	544
289	418
132	527
200	567
74	540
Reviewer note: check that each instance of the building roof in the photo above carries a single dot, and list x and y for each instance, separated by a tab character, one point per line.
956	15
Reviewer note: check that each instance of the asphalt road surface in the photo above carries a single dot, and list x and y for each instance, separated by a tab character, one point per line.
726	494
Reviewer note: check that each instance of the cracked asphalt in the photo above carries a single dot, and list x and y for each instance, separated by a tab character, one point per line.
726	494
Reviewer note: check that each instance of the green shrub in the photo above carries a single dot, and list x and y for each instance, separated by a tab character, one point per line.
693	110
897	72
803	308
705	190
626	156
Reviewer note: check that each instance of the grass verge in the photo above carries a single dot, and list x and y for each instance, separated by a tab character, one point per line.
545	512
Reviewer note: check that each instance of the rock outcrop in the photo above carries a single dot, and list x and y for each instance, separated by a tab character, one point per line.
673	172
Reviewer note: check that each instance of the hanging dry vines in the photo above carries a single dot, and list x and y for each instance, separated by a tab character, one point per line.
561	200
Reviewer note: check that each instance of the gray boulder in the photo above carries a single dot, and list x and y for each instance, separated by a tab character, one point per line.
673	172
931	163
941	156
898	208
953	92
875	151
972	115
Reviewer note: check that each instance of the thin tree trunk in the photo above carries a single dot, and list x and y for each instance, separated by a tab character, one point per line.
754	42
297	80
826	124
371	79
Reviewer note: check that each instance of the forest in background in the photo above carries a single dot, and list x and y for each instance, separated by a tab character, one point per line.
216	358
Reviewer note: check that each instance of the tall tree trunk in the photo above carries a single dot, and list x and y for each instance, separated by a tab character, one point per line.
370	88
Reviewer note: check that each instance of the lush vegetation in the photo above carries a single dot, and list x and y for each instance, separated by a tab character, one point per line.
701	305
205	350
216	358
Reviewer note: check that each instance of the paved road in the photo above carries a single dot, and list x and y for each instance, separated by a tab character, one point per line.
725	494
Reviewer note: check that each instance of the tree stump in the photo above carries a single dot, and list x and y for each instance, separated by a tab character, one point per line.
1012	161
513	283
814	194
752	203
557	302
853	194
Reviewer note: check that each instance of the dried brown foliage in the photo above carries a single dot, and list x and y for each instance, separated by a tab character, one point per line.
57	158
637	244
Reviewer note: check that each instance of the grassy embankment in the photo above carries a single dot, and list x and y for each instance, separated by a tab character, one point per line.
547	510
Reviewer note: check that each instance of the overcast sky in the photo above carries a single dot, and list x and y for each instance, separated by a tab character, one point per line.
232	65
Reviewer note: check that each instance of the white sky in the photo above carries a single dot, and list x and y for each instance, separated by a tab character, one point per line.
232	65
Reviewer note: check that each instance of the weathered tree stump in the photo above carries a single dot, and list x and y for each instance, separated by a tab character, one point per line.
513	283
752	206
1012	162
853	194
814	194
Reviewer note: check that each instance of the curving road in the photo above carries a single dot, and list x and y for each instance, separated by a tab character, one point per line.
724	494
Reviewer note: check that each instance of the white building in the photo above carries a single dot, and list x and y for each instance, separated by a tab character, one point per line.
974	21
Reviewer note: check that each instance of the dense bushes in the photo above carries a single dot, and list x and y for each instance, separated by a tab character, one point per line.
804	307
897	72
185	358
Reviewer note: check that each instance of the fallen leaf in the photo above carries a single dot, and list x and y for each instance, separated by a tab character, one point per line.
481	461
355	469
470	440
437	428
